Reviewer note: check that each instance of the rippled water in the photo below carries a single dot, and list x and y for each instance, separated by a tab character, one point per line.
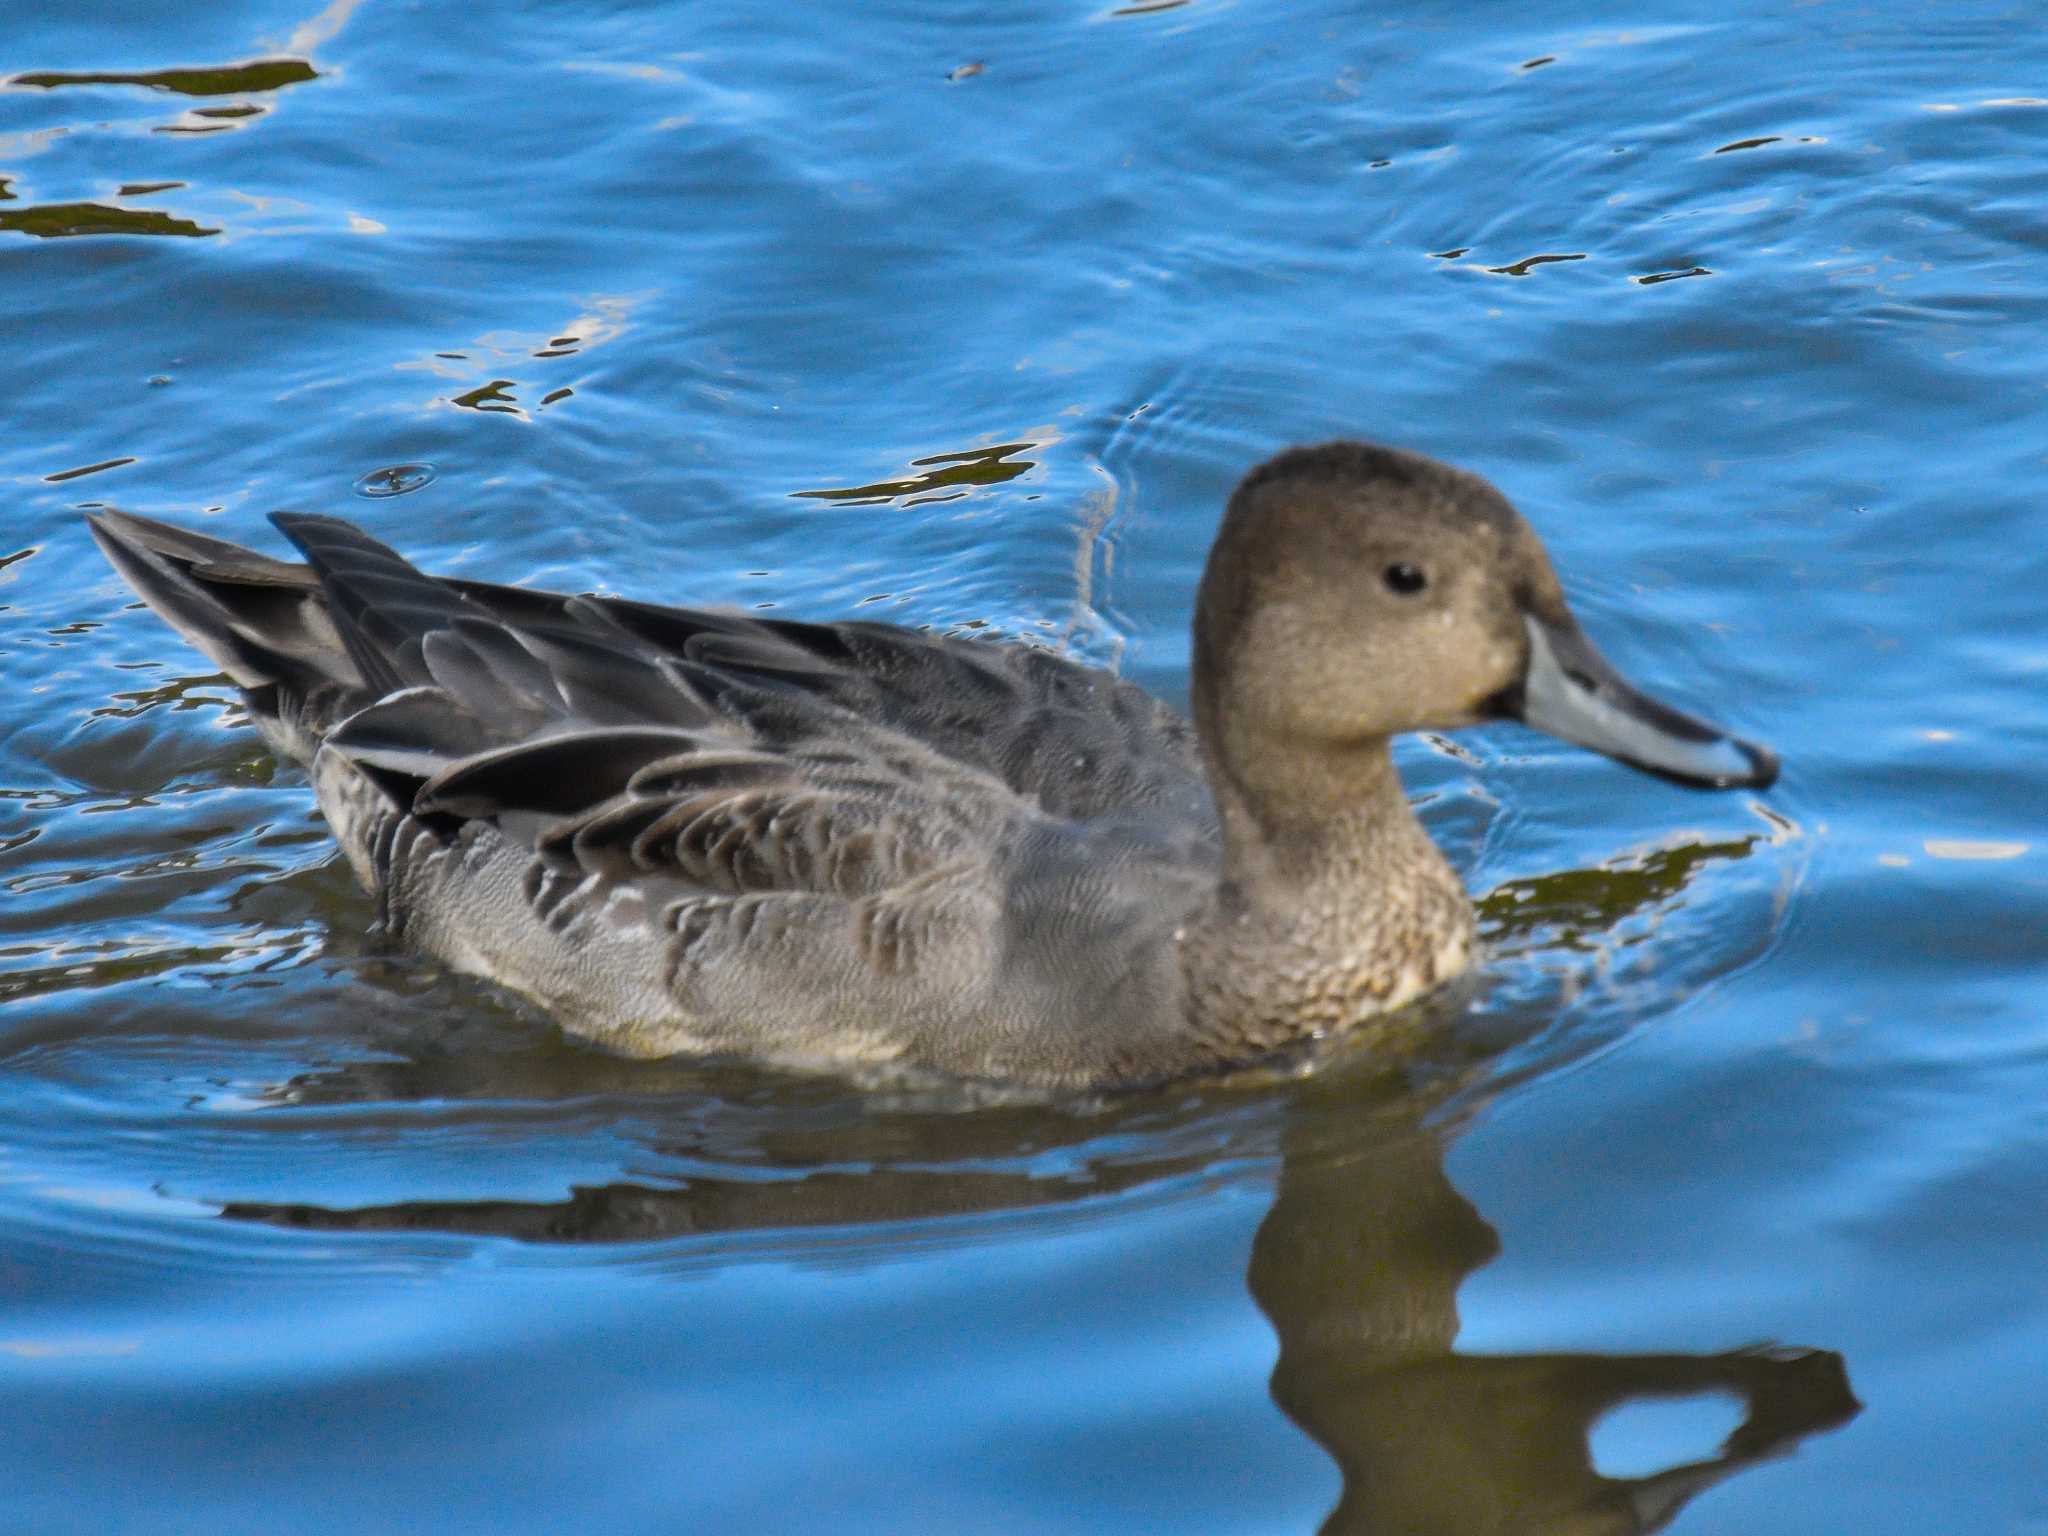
1719	1202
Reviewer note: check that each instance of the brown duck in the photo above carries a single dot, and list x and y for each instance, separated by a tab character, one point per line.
855	846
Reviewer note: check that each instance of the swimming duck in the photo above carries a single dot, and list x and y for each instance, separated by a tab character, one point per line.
851	846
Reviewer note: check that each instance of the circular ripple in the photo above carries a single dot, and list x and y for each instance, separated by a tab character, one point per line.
394	480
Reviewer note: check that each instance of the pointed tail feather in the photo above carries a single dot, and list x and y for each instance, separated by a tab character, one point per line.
382	605
262	621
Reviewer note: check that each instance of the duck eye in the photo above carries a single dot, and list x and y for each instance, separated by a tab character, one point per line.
1405	579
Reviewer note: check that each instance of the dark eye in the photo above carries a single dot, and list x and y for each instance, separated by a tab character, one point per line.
1405	579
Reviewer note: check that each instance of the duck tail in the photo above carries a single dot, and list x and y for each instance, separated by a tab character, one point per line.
264	622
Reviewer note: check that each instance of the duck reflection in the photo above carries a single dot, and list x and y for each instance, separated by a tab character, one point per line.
1357	1264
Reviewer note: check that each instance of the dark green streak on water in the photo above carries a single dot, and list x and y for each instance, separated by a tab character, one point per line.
981	466
226	80
57	221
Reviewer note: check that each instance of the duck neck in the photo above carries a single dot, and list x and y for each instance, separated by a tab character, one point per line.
1334	906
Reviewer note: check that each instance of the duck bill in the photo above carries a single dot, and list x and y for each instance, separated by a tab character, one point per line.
1571	691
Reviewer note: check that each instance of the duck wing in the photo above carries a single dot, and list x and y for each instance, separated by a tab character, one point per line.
1078	742
1072	741
754	752
691	830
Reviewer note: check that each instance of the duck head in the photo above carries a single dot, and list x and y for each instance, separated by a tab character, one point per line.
1355	592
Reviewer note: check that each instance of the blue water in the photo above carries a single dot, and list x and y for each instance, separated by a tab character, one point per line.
1719	1203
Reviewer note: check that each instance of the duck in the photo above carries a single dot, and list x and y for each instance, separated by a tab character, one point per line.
860	848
